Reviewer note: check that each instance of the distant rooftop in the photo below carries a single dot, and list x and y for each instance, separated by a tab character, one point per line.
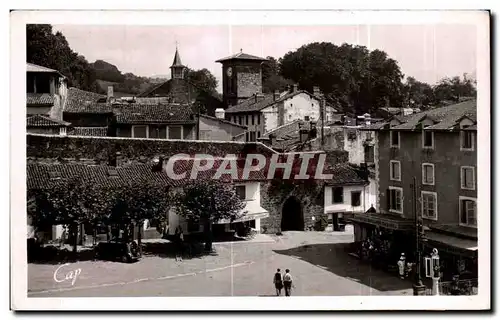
241	56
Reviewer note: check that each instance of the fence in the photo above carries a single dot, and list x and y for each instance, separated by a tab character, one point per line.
457	288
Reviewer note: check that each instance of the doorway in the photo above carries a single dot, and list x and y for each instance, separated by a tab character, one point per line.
292	217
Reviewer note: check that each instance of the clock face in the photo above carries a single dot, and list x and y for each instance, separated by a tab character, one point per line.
229	72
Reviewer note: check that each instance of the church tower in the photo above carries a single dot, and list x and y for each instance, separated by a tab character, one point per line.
177	68
241	77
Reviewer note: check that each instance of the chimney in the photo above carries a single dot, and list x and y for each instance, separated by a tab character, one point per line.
110	92
316	91
272	138
259	97
276	95
295	88
219	113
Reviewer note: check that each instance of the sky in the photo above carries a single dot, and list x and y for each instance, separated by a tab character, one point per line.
425	52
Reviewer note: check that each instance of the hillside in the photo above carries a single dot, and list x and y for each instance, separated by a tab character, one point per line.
108	74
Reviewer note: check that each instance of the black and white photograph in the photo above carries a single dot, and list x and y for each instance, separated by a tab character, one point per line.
273	157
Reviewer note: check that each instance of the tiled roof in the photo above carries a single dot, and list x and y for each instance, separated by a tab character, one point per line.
444	118
38	99
30	67
90	131
159	113
241	56
346	174
38	176
252	104
287	135
41	121
223	121
80	101
283	130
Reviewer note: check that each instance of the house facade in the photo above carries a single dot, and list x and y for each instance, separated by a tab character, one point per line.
219	129
46	90
438	150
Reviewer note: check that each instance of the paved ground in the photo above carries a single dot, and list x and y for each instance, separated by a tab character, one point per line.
317	261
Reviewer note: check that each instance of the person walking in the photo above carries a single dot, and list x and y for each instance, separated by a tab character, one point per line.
180	244
287	282
278	282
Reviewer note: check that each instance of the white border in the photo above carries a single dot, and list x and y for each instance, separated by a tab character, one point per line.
391	171
435	205
402	198
433	174
462	177
460	198
18	155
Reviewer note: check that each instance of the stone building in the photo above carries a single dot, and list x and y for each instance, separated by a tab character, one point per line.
46	90
178	89
437	148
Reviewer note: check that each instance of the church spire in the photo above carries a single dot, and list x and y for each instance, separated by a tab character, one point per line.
177	68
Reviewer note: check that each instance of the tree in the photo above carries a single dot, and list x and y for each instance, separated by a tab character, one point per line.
64	203
138	201
418	94
453	89
271	79
203	79
206	202
50	50
351	77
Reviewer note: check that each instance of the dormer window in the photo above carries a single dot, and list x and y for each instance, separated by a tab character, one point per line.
394	136
427	139
54	175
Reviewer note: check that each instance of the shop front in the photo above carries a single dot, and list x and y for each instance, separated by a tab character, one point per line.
382	238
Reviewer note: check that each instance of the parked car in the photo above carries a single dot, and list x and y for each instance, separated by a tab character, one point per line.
118	251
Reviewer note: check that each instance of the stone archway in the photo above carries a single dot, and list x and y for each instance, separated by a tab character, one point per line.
292	217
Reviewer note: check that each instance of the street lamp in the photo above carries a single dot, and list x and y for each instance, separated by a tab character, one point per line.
418	287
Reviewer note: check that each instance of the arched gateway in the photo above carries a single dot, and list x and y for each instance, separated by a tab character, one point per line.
292	217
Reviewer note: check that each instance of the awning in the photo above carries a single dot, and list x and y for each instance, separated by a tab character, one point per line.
248	217
451	243
383	220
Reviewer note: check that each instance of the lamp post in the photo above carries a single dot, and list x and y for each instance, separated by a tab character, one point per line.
418	287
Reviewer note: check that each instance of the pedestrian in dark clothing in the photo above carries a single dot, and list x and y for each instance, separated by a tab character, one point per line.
278	282
180	244
287	282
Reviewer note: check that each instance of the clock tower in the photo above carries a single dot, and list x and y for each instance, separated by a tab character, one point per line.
241	77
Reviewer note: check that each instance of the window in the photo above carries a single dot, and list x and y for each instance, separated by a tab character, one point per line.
467	140
429	205
338	195
395	199
428	173
258	119
468	211
427	139
395	170
306	118
241	192
175	132
157	132
258	134
355	198
467	178
369	154
246	119
253	119
394	135
139	131
247	136
240	120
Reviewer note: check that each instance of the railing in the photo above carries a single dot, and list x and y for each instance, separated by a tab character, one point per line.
459	288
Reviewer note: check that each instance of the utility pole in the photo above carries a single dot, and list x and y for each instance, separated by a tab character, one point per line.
418	287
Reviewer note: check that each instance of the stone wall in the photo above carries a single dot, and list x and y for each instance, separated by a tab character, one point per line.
249	80
273	197
99	150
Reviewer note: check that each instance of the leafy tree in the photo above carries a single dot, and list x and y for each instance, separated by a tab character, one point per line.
418	94
203	79
453	89
351	77
63	203
271	79
50	50
206	202
137	202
